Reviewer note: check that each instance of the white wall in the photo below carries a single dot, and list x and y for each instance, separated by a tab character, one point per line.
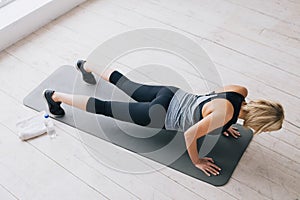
21	17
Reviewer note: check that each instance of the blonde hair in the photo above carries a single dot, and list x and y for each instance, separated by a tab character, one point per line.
263	115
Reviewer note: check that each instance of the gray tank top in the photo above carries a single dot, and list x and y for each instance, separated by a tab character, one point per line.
183	111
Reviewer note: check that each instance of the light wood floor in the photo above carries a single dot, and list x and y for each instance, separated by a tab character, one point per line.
253	43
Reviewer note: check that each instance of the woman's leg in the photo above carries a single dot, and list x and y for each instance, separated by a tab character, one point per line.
137	91
86	67
78	101
150	114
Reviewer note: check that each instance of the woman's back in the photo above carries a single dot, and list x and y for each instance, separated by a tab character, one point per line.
186	109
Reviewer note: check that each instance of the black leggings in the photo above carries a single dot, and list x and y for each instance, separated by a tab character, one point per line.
149	110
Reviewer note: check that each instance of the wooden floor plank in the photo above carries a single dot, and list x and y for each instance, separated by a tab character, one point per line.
27	180
286	11
232	18
229	40
4	194
256	170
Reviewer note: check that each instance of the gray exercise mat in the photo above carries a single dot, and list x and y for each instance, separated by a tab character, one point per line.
165	147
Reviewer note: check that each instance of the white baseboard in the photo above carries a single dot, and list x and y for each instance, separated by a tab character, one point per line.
21	17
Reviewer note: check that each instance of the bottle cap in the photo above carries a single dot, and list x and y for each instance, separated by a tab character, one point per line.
46	115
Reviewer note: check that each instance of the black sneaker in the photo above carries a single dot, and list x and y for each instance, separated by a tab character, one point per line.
54	107
88	77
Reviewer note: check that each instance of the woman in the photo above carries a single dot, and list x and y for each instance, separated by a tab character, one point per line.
195	115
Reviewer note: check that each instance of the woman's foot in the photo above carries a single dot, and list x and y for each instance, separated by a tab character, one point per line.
54	107
88	77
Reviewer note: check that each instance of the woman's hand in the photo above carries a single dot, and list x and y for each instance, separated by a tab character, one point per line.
207	166
232	131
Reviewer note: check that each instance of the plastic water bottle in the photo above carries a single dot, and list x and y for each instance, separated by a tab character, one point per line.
50	126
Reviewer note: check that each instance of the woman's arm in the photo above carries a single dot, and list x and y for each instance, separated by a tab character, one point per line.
204	126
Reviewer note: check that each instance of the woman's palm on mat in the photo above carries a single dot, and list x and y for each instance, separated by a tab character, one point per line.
207	166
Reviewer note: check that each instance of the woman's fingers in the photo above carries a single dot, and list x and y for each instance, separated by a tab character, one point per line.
233	131
225	133
212	171
208	167
209	159
207	170
214	166
211	167
234	128
208	174
236	134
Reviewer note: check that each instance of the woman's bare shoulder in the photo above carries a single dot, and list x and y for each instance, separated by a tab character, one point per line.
234	88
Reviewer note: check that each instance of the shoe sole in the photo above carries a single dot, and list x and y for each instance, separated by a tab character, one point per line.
86	83
48	109
82	76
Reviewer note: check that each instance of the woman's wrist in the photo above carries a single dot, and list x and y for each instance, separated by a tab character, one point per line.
196	161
